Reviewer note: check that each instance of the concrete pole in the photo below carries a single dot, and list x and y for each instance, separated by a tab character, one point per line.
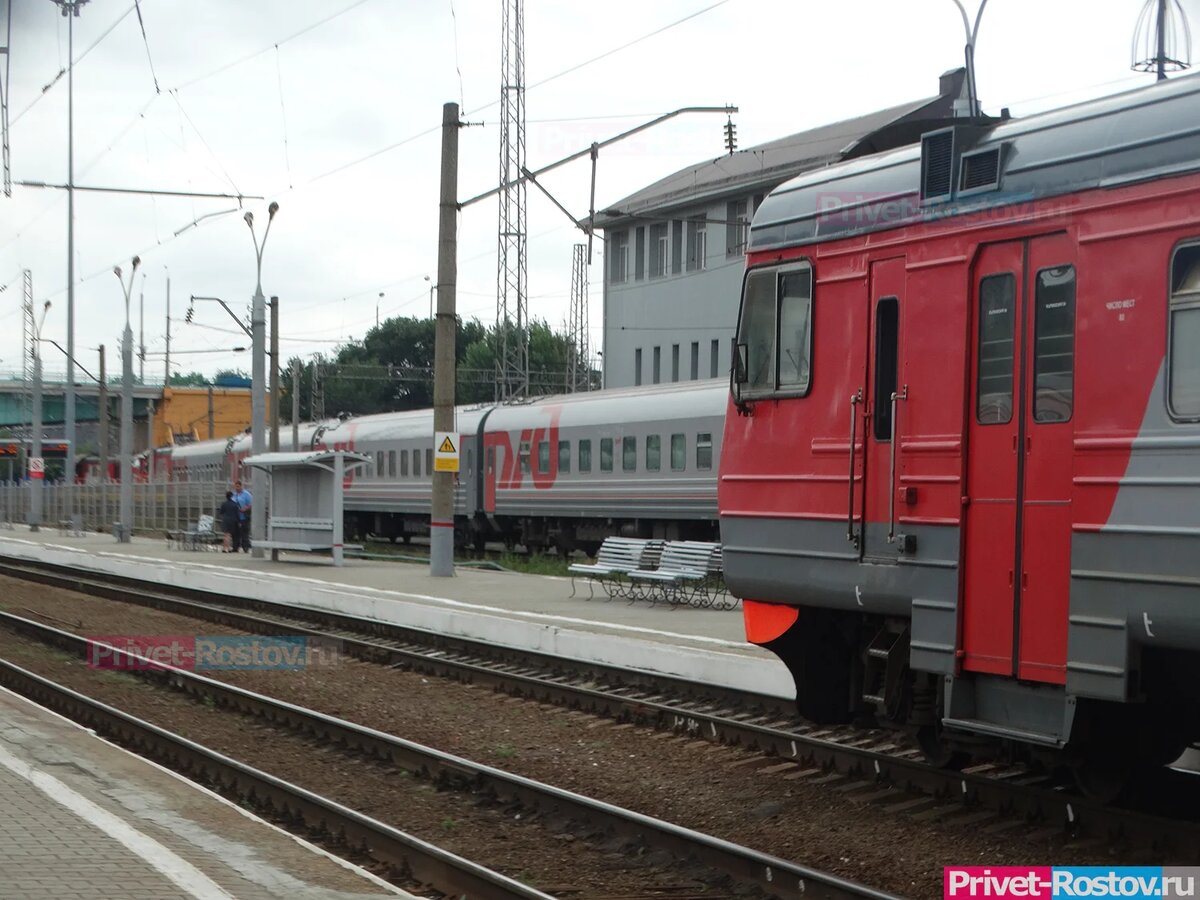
69	405
441	522
126	434
258	437
35	484
103	424
167	369
295	404
274	374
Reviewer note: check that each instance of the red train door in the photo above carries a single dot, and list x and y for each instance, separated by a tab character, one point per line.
1019	444
883	379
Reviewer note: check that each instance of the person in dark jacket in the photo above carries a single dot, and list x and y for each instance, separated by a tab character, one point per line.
230	515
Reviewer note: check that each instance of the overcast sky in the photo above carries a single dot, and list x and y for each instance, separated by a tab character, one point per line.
333	107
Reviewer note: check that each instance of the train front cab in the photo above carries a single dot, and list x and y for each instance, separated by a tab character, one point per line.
956	491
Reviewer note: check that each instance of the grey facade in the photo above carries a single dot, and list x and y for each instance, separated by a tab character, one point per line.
675	251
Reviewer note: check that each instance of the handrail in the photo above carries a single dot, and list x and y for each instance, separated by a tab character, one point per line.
903	395
855	399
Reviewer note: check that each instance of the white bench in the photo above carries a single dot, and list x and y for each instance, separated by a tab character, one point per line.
617	557
200	536
688	571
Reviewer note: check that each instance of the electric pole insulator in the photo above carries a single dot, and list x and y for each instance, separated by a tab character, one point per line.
730	136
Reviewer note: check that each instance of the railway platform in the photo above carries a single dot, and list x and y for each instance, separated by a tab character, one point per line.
84	818
533	612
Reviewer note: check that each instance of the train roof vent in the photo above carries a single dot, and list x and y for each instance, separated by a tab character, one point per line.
980	171
937	165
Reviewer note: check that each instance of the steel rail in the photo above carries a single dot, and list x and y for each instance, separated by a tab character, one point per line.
403	852
775	876
710	712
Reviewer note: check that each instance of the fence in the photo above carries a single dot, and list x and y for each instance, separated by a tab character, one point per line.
158	507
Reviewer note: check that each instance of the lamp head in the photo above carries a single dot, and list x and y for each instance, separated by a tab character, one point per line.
427	278
137	261
249	217
117	271
272	209
46	306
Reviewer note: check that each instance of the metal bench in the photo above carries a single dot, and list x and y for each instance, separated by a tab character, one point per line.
616	558
688	572
200	536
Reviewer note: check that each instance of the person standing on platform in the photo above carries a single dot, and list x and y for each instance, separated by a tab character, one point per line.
230	525
245	501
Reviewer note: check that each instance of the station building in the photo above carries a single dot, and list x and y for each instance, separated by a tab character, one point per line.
675	250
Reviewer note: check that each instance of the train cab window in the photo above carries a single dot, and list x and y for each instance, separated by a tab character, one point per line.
756	331
391	464
997	329
403	464
1054	345
429	460
1183	376
585	456
523	456
379	470
606	454
653	452
795	330
543	457
564	457
678	452
629	454
887	333
704	451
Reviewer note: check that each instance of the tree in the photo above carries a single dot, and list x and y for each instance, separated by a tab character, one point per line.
191	379
549	354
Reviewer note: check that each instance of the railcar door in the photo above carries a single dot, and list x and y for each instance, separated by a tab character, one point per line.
1019	445
883	379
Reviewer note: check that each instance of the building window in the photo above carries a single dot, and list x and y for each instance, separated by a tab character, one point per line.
678	452
606	454
695	360
564	457
1054	345
674	362
660	250
637	366
714	354
639	253
618	257
653	452
704	451
544	457
656	371
737	227
997	331
629	454
697	232
677	247
585	455
1183	377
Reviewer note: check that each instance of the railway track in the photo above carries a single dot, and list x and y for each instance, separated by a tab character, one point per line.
873	761
747	868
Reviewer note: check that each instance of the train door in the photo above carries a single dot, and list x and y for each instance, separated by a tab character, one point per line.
1019	446
883	371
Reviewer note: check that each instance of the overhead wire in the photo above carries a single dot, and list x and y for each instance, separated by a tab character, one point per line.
146	42
283	114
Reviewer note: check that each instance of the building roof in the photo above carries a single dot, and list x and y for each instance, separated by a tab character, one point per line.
774	162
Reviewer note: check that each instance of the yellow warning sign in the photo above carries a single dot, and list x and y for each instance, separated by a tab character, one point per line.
445	451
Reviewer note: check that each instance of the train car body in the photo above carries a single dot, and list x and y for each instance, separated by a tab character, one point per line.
960	484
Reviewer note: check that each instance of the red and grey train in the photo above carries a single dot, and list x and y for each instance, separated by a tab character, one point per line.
960	485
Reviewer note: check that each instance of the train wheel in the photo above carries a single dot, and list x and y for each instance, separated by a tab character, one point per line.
1102	779
937	751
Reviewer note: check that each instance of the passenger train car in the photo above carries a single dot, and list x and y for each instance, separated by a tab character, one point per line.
960	484
558	472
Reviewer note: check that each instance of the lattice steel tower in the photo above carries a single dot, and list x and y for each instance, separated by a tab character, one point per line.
5	51
512	327
579	365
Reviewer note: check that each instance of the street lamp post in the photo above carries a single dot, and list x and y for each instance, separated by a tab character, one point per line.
126	529
35	493
432	288
258	522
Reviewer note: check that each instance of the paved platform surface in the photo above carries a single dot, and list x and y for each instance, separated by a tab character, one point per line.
83	818
527	611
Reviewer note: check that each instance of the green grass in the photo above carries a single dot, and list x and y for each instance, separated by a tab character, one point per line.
505	751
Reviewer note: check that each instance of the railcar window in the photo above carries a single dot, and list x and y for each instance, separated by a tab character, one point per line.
653	452
678	453
403	464
629	454
585	455
997	330
523	456
1184	373
757	330
391	464
795	330
704	450
887	335
564	457
379	470
1054	345
429	460
606	454
416	454
543	457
